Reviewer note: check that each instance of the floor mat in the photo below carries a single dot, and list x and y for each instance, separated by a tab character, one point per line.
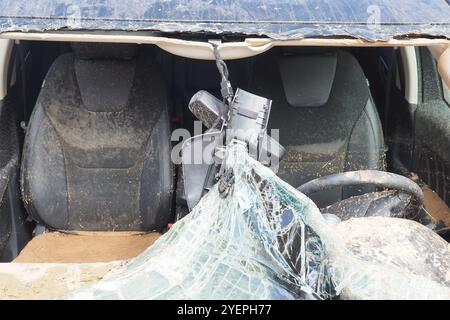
85	247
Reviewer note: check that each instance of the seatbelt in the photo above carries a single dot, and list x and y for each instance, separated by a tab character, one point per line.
392	74
21	73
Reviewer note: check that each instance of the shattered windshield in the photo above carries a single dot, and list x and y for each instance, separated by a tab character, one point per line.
287	19
262	239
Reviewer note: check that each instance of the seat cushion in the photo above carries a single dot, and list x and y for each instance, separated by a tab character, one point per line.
97	150
326	131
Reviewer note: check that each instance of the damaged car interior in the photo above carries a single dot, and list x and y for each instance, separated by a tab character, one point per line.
86	175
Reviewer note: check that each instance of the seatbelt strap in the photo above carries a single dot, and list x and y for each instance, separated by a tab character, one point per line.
392	75
21	72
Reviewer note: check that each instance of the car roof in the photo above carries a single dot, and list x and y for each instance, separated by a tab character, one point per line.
278	19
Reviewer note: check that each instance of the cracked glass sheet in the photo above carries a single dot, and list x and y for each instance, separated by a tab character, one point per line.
278	19
253	244
265	240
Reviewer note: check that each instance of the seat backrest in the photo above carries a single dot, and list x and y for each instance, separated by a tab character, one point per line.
97	149
9	159
325	113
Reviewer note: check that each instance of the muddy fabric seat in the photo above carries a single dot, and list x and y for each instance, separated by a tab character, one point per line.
97	151
9	156
14	228
325	113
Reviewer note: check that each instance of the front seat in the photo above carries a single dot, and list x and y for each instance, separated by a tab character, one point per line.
97	149
325	114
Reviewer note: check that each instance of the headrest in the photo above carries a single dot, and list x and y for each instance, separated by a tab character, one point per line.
88	50
308	78
105	74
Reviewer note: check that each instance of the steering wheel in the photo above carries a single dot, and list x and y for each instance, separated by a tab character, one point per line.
381	179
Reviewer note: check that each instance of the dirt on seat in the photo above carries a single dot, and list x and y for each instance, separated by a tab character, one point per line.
85	247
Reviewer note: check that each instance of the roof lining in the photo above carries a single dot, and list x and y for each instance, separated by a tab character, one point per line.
203	50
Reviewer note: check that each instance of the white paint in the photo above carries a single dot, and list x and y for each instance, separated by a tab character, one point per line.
442	55
410	66
444	66
5	55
